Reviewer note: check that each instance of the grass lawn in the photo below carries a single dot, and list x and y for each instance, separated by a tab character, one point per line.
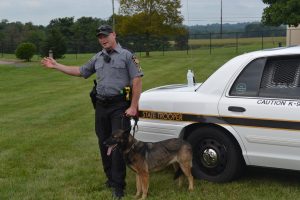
48	148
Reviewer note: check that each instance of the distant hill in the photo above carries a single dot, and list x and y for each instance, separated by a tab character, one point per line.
249	29
229	28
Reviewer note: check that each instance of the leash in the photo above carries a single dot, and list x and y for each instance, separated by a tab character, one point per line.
135	126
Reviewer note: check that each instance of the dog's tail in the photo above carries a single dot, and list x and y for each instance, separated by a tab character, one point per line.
178	173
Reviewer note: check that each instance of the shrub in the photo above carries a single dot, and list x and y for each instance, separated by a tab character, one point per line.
25	51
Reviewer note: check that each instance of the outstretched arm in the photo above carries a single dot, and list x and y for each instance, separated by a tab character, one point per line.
52	64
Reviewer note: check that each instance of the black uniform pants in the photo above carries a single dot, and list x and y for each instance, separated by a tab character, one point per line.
110	117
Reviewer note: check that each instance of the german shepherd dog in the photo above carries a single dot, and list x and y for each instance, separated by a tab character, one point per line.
144	157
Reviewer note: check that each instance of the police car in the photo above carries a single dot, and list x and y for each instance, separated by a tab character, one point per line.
246	113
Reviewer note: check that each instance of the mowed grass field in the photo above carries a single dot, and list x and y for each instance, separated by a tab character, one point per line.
48	148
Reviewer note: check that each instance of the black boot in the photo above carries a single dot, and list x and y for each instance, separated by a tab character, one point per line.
117	193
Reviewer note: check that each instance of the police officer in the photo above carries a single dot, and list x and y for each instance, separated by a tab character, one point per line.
115	68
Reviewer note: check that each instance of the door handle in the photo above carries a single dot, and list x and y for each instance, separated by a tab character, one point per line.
236	109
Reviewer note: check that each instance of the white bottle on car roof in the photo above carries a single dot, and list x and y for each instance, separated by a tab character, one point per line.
190	78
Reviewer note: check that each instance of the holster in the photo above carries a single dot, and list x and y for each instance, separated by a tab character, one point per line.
93	94
127	92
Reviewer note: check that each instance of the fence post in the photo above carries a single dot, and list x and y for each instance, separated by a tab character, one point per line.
2	50
187	45
290	36
262	40
140	49
237	42
209	43
77	49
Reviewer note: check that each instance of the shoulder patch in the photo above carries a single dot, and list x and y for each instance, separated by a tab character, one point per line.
136	62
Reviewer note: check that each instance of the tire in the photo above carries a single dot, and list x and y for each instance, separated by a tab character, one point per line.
216	156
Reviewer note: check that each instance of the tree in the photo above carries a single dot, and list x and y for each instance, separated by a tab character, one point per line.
13	33
33	34
281	12
150	18
84	30
55	42
36	37
181	40
25	51
64	26
257	29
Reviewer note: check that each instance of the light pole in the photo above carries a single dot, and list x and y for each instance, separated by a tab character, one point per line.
221	26
113	17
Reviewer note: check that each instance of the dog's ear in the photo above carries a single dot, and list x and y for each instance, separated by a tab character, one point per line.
120	132
117	133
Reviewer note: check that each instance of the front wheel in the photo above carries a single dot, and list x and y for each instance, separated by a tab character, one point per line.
216	157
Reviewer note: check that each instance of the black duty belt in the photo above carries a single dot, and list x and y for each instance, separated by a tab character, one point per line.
110	99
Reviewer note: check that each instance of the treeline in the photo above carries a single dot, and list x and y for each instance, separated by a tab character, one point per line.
61	35
247	29
66	35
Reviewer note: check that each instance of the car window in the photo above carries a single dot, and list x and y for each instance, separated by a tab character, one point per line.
248	82
281	78
275	77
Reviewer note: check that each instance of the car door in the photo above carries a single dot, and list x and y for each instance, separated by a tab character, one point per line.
262	105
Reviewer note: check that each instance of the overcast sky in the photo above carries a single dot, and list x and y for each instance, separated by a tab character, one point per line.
40	12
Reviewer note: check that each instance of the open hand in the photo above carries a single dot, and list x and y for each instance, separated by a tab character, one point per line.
49	62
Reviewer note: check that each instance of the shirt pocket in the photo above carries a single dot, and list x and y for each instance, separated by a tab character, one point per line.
119	70
99	66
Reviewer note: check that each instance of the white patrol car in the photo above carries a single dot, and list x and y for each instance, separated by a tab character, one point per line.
247	112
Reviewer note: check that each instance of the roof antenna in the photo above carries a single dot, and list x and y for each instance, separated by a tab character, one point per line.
188	21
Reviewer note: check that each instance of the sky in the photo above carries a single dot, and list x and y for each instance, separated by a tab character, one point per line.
202	12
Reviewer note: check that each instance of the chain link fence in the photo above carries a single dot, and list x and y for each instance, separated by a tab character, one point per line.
235	42
211	43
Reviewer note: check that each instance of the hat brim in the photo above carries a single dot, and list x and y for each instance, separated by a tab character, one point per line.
103	33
